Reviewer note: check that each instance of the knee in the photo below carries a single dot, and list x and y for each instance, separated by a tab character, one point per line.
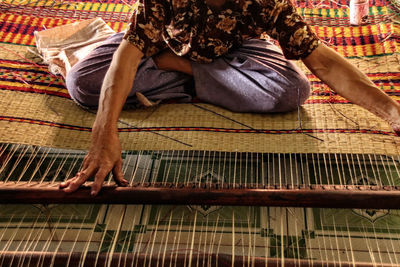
243	83
294	92
83	88
283	94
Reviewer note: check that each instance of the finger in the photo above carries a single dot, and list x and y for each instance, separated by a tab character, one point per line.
85	163
119	175
80	179
67	182
74	184
98	181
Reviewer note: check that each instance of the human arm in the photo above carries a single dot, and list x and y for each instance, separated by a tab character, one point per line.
169	61
352	84
105	150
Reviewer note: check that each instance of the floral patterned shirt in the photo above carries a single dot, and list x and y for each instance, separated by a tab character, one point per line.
202	32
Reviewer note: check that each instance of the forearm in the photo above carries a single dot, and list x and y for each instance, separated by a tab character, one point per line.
112	98
352	84
169	61
116	87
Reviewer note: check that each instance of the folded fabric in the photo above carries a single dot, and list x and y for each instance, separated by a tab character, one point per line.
63	46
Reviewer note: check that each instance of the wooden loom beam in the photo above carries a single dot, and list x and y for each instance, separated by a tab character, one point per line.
92	259
327	196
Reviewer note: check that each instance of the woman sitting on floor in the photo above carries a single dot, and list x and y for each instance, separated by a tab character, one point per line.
213	46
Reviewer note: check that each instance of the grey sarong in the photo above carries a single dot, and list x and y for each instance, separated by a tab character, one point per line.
254	78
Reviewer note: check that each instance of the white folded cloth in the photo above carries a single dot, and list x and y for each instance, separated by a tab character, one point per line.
62	46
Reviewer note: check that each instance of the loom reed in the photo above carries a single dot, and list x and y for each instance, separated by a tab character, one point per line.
32	174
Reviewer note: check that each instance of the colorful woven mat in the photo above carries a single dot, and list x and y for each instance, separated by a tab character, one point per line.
35	107
396	6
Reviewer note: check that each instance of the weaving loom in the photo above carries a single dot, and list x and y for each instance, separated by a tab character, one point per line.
329	153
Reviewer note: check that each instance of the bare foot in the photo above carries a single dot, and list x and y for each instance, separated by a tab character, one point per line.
396	129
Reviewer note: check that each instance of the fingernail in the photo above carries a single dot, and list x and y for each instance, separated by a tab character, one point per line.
93	193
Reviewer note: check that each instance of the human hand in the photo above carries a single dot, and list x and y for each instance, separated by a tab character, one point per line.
103	157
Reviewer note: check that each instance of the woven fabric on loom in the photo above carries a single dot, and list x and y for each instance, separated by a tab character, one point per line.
35	107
